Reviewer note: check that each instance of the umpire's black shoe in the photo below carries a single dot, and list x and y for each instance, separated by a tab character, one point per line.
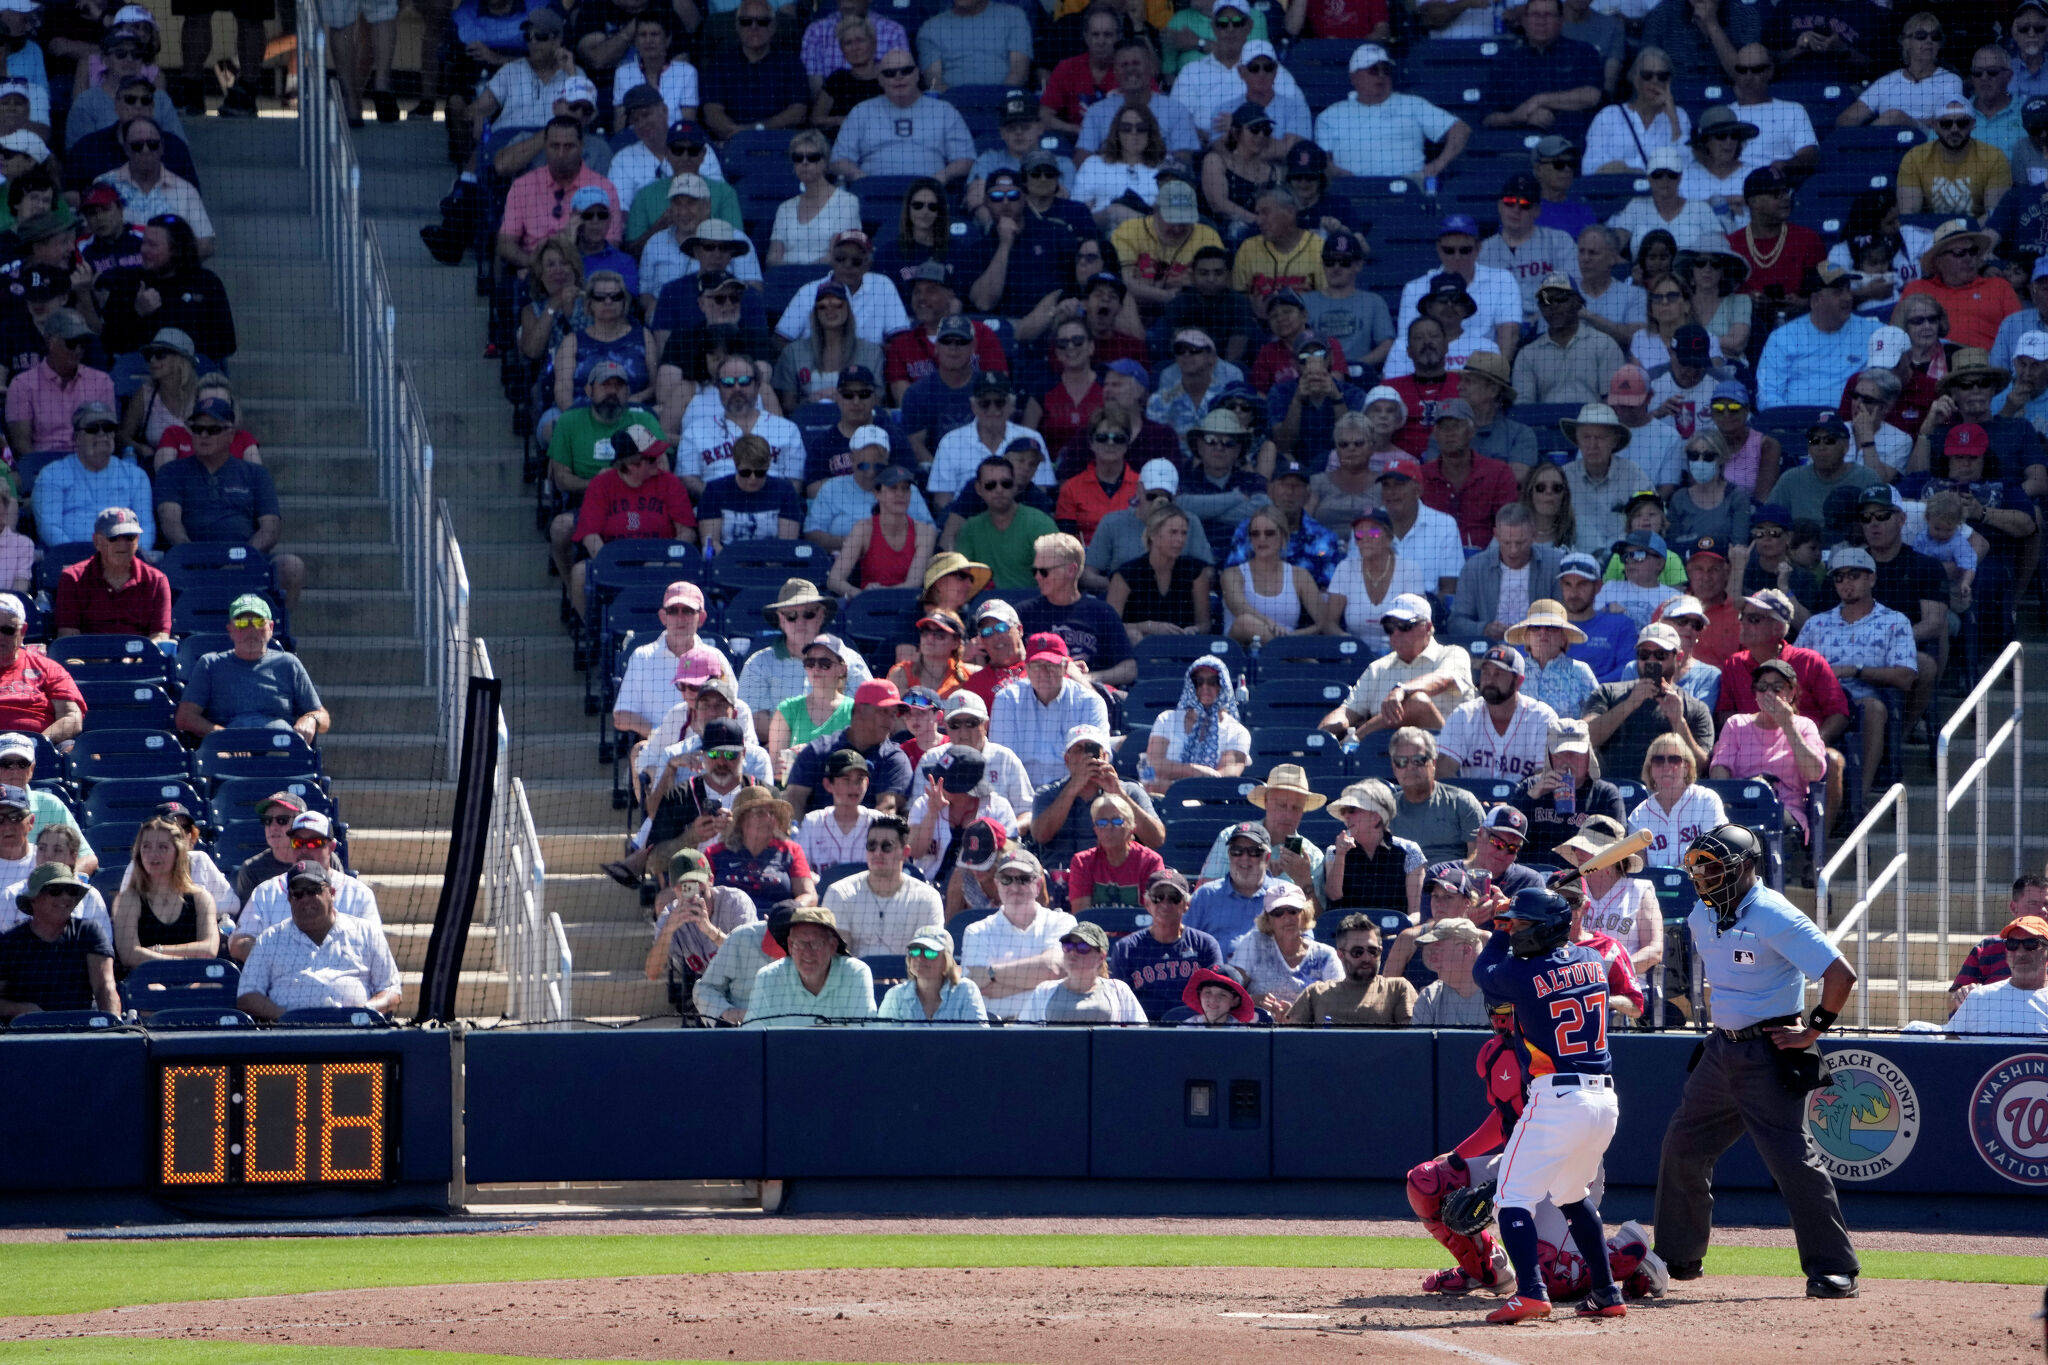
1831	1287
1685	1270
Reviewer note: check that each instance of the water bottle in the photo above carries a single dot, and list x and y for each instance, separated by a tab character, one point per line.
1350	744
1147	774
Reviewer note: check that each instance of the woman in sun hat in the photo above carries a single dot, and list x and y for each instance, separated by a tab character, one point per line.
756	854
1555	678
1368	868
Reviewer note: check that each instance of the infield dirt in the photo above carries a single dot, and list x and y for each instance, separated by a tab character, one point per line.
1139	1316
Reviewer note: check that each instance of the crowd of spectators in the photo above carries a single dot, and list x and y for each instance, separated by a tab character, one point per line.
1072	329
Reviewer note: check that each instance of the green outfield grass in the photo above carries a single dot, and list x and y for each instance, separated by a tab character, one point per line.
77	1277
143	1351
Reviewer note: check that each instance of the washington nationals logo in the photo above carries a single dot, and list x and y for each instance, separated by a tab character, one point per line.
1866	1119
2009	1118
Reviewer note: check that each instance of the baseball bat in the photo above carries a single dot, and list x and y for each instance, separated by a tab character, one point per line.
1635	843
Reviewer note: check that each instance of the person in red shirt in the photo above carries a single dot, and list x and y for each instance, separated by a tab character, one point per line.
115	592
1358	20
1081	80
1110	485
1100	311
36	693
913	354
999	637
1426	390
636	497
1461	482
1069	406
1778	250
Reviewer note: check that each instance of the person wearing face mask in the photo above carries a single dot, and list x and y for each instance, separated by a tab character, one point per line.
1709	505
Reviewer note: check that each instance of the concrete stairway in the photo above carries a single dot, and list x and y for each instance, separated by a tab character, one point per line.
442	325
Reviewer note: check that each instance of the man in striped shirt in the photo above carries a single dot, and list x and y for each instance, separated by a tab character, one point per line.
2019	1004
1987	963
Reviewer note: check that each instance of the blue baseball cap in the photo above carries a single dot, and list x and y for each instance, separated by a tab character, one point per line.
1770	514
1452	224
1131	369
1582	566
589	197
1729	390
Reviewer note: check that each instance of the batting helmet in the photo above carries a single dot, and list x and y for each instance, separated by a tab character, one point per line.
1541	923
1716	861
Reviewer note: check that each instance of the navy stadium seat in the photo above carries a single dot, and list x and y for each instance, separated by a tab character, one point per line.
126	706
64	1021
114	753
184	983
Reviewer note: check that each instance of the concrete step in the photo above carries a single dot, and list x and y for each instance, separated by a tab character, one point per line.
608	951
398	660
487	518
518	565
291	421
398	232
312	469
232	189
362	564
421	849
314	327
385	709
350	758
479	995
528	660
348	611
492	471
506	612
470	419
323	517
275	142
278	284
289	375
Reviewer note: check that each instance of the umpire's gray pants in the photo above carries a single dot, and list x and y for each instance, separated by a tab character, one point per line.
1735	1090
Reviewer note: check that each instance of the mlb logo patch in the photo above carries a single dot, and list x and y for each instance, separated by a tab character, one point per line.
1744	958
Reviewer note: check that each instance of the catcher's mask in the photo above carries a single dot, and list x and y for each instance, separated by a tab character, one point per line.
1716	861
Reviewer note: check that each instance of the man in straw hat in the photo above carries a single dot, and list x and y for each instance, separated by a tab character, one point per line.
1499	733
1952	273
1497	585
1602	476
817	982
1550	675
1285	796
798	615
1967	393
1809	359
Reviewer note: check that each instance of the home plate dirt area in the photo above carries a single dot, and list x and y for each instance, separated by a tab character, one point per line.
1142	1316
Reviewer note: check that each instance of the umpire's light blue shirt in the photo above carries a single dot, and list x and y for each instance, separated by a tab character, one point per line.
1759	968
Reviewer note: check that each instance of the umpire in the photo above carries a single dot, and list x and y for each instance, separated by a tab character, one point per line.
1754	1070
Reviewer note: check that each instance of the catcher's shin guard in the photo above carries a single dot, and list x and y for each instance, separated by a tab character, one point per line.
1428	1186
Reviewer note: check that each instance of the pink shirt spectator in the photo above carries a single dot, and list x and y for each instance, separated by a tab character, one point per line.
1747	749
822	55
538	207
1091	875
45	402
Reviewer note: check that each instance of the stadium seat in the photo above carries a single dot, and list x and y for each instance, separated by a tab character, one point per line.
1150	696
237	799
1117	920
196	1017
1491	791
58	558
1317	754
1316	658
639	562
111	658
204	607
114	753
1293	705
1752	801
873	617
765	563
888	971
1170	655
126	706
188	983
134	798
64	1021
334	1016
197	563
1633	793
274	755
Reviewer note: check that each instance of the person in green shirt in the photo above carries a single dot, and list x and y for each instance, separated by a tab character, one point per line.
580	448
1002	535
817	983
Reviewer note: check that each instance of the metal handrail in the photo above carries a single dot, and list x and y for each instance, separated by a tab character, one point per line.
1975	707
1892	874
429	556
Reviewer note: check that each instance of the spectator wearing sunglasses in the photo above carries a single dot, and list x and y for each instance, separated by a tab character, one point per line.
93	155
251	686
1915	93
883	906
749	503
1986	961
72	492
2017	1005
1784	129
1809	359
1955	173
903	132
1158	961
115	591
1023	130
1236	73
148	188
877	307
1703	41
276	811
42	399
940	339
311	836
1623	135
705	450
124	55
755	85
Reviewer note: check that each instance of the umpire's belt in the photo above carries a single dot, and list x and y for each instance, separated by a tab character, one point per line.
1561	1079
1757	1030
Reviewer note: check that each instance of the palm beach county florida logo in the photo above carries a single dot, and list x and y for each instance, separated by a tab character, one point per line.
2009	1118
1866	1119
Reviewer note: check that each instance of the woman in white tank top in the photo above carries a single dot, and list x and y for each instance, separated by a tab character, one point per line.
1249	613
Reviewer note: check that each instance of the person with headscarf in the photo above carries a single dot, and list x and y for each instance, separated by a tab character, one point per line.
1202	735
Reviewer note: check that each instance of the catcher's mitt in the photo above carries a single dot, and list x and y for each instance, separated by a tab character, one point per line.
1468	1212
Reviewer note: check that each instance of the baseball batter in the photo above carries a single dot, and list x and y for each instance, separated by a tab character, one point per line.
1453	1189
1559	991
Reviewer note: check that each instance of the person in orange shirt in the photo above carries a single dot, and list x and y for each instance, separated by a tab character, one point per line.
1950	272
1109	485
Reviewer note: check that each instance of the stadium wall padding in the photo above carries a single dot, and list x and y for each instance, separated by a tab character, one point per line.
1907	1116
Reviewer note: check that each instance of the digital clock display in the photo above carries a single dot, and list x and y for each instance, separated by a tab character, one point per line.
285	1123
